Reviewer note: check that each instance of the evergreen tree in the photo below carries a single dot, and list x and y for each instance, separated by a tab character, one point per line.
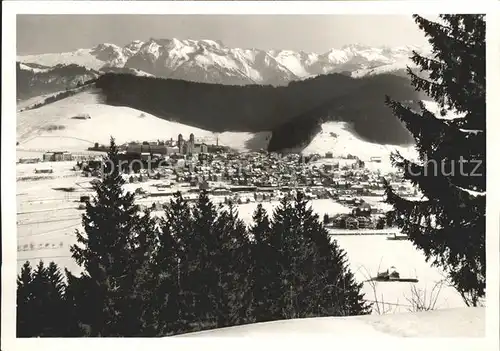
448	224
76	299
280	286
314	278
207	268
263	266
25	295
231	260
192	230
147	278
209	251
57	312
42	310
171	262
110	252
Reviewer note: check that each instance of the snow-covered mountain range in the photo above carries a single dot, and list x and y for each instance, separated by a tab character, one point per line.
225	105
212	62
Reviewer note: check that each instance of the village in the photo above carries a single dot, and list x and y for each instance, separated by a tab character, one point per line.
345	191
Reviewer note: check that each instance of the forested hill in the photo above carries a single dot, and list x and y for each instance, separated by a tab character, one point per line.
299	106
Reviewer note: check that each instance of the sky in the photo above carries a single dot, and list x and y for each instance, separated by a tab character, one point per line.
311	33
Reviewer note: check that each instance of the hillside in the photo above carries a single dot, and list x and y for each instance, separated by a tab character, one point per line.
54	127
33	80
362	108
293	112
341	140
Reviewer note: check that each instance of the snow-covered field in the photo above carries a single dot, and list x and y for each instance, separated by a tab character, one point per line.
126	124
338	138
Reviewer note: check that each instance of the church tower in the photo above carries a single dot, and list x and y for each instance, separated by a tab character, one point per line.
180	143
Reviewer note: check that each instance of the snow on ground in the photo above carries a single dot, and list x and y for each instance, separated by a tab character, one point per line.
54	127
370	254
433	107
23	104
320	207
293	62
402	65
140	73
243	140
338	138
47	219
32	69
460	322
126	124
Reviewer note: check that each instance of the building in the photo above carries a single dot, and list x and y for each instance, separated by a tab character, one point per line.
328	167
134	149
48	157
145	156
190	147
203	185
363	209
82	116
67	156
44	170
57	156
62	156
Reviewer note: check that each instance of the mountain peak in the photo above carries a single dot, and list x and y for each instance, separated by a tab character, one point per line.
104	46
356	46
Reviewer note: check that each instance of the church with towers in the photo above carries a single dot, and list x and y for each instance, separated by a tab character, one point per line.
190	147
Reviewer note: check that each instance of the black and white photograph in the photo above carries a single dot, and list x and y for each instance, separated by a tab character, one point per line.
250	175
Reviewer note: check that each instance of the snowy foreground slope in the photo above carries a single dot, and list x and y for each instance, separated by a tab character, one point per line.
458	322
54	127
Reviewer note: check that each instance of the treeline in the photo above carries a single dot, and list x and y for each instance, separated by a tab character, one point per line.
254	108
198	267
54	98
